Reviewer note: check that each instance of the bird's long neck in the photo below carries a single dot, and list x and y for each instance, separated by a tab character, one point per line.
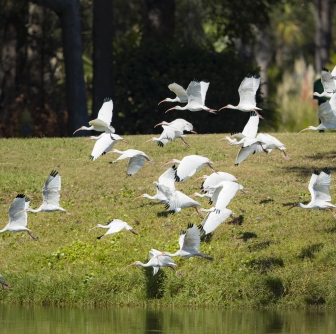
301	205
230	106
148	196
118	151
4	229
103	226
171	254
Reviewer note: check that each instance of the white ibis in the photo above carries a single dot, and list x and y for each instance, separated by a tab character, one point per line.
3	283
215	178
247	92
50	193
103	122
104	144
189	242
327	115
223	193
328	82
17	213
136	159
157	262
168	134
196	92
319	185
269	143
114	226
189	165
213	219
167	179
178	124
181	94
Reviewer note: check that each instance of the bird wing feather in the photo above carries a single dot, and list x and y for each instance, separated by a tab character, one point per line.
106	112
168	178
321	186
18	217
327	80
194	92
251	127
179	91
228	191
103	144
244	152
247	92
51	188
134	164
191	240
212	220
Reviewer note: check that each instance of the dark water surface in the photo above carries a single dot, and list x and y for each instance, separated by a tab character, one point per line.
24	319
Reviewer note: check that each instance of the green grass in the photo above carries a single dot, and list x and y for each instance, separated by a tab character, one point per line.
275	258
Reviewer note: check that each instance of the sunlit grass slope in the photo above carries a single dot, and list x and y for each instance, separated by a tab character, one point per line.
268	257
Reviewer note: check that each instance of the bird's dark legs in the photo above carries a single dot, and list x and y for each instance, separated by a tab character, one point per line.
176	271
211	111
133	232
184	142
213	169
286	157
258	114
197	212
31	236
332	211
262	147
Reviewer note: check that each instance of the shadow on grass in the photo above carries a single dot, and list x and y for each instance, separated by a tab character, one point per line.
247	235
306	171
236	221
259	245
318	156
309	251
264	201
164	213
154	283
264	265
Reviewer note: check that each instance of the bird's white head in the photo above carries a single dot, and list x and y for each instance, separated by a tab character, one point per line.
309	128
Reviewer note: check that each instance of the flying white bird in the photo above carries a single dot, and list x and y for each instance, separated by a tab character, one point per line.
136	159
269	143
168	134
50	193
17	213
179	124
104	144
327	115
213	219
103	122
196	92
319	190
223	193
328	82
181	94
114	226
189	242
189	165
247	93
3	283
157	262
167	179
214	179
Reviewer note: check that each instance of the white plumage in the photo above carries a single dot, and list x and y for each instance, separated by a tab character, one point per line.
213	219
318	187
189	242
328	82
18	217
103	122
136	159
196	92
50	193
114	226
157	262
104	144
189	165
247	93
180	92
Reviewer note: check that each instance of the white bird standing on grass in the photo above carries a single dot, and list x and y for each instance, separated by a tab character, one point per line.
17	213
189	242
50	193
181	94
136	159
196	92
189	165
114	226
103	122
104	144
247	95
319	185
157	262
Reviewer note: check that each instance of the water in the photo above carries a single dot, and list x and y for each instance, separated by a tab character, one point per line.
51	320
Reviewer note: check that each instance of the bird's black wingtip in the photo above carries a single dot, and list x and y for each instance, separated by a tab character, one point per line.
107	99
256	76
326	170
325	69
20	196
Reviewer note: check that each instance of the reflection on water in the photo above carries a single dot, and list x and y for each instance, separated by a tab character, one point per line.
23	319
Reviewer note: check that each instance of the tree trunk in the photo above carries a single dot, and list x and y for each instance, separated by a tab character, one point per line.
102	53
68	12
322	16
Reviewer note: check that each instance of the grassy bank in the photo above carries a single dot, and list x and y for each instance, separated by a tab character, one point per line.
267	257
